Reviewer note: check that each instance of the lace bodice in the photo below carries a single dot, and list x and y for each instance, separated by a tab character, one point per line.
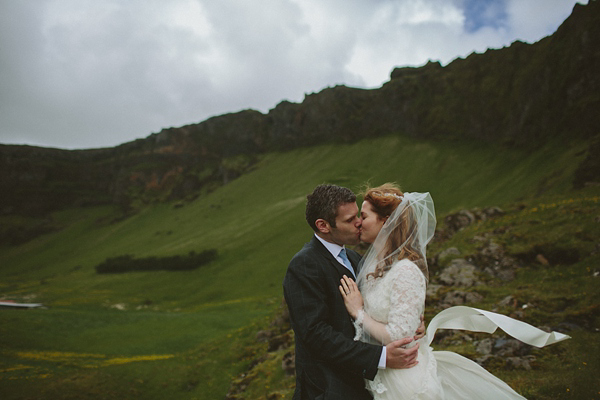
397	300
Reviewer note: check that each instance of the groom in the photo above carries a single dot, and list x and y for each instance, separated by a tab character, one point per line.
329	363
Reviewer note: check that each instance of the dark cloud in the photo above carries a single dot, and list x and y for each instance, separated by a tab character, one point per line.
82	73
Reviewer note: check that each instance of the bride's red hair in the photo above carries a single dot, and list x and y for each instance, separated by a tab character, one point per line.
384	200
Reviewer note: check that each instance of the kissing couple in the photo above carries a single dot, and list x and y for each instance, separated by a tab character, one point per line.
358	322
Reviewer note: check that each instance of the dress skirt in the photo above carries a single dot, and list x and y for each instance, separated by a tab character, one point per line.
448	375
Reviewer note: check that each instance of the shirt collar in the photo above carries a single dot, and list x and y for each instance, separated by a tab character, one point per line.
333	248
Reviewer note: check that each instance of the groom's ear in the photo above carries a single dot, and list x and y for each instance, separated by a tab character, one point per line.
322	226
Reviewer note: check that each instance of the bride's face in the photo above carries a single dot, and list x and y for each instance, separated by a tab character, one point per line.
371	223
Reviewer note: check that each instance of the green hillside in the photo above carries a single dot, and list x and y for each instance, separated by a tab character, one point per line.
185	334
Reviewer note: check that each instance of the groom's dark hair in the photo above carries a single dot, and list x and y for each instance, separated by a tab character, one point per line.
324	201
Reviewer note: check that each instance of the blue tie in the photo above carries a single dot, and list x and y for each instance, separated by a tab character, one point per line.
344	257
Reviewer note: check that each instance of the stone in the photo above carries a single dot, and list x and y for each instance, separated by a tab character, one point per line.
492	212
484	347
483	360
263	336
460	272
457	298
451	251
520	362
508	301
492	250
506	275
283	341
510	348
473	297
541	259
432	290
288	364
460	220
494	261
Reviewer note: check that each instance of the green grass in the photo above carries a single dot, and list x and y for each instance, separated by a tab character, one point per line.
563	296
119	356
256	223
565	229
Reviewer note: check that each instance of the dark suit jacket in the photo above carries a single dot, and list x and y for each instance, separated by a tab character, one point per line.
329	363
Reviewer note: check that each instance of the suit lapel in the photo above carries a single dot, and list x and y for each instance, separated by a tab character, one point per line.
342	270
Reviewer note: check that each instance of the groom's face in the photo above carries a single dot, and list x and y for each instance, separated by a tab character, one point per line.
347	225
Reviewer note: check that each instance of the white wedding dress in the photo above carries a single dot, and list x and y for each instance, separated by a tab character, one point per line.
393	305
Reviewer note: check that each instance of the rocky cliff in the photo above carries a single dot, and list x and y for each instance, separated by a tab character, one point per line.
522	95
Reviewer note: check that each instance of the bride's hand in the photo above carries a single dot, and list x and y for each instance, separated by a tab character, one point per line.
351	295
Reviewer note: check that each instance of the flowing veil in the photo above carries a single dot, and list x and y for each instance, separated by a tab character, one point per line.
405	234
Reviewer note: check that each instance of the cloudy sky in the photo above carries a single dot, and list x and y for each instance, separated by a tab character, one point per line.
97	73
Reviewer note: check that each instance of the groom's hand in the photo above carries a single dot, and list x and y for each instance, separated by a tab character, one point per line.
399	357
420	333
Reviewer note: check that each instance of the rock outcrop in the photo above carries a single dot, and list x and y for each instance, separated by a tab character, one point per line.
521	95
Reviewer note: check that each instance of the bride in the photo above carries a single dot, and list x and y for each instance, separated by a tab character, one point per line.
393	282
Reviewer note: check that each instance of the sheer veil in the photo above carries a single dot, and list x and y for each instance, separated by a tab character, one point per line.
405	234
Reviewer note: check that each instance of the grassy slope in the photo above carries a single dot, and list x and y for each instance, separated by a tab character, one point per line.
256	223
563	296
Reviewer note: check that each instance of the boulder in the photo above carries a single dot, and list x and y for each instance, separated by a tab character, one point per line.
451	251
460	272
288	364
457	298
495	262
485	346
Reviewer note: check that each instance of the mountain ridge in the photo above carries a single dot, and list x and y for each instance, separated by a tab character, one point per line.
518	96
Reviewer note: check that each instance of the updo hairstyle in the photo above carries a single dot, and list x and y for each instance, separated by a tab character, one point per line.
384	200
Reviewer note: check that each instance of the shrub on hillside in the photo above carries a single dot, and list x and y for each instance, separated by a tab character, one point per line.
127	263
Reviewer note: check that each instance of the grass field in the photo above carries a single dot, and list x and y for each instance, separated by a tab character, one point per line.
561	295
184	335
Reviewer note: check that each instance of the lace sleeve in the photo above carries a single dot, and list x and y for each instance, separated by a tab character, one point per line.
407	300
358	325
406	304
